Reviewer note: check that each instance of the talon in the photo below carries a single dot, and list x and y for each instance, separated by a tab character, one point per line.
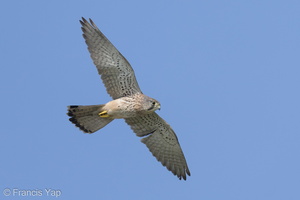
103	114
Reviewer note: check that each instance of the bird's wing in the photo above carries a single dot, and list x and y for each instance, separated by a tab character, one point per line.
161	141
116	72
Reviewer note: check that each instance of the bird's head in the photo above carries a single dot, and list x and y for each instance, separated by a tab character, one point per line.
152	105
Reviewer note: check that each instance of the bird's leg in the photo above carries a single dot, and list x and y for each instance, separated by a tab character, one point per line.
103	114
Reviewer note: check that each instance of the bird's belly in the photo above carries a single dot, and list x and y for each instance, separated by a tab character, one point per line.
121	109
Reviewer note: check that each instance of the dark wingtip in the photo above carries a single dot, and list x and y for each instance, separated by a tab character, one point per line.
83	21
188	172
91	21
184	176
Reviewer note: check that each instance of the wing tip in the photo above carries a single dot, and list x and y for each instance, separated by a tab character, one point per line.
180	171
82	21
183	176
85	22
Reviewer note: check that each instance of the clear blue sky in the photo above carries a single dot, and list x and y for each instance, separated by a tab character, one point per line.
226	74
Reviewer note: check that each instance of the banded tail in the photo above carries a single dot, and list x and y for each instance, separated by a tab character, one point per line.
86	117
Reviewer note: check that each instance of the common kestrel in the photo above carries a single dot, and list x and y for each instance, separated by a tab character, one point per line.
128	103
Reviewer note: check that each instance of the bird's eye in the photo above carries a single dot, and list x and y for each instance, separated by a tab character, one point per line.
152	105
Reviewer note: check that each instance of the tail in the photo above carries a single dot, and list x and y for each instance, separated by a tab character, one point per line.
86	117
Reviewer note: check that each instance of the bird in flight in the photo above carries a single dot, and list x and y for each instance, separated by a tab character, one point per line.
129	103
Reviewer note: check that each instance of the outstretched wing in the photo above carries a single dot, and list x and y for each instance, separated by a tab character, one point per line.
161	141
116	72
